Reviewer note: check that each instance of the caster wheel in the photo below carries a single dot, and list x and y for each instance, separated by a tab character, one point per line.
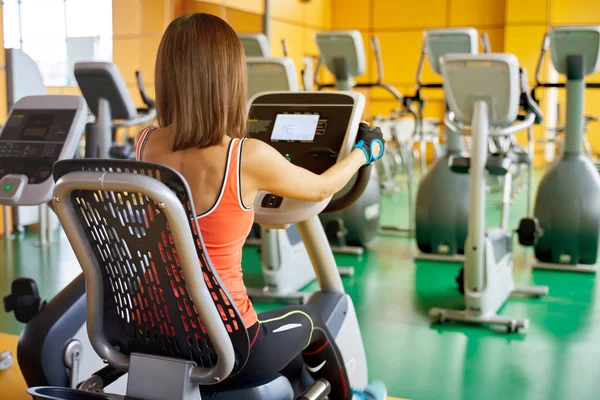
460	281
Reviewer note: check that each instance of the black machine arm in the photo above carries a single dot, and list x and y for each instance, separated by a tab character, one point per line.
485	43
538	68
101	379
142	88
42	344
24	300
358	187
528	104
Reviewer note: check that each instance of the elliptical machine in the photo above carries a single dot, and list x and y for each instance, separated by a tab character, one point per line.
565	230
483	95
343	53
442	207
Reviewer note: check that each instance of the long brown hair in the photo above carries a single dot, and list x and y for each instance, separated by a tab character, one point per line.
200	81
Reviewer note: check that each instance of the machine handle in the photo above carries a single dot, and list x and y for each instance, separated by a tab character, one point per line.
379	62
316	74
101	379
317	391
527	101
145	98
529	120
538	68
358	187
485	41
284	47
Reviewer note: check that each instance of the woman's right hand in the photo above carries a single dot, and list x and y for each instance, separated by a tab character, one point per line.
372	138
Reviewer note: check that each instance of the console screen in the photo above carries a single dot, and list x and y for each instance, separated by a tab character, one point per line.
295	127
32	141
37	126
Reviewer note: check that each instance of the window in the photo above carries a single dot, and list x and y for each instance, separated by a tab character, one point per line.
59	33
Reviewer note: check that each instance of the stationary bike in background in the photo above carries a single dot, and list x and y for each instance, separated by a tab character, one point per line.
483	94
565	228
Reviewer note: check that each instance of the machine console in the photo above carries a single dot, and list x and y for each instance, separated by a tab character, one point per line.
342	44
310	129
255	44
493	78
439	42
271	74
39	131
575	40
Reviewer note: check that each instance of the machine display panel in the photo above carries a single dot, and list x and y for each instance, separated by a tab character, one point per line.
32	140
309	136
37	126
295	127
33	125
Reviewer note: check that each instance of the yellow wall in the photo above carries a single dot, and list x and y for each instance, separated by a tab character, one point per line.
400	25
137	28
292	20
526	24
513	26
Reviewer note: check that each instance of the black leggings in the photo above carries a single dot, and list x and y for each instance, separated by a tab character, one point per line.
289	337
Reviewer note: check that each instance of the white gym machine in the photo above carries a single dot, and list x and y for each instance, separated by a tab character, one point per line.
23	78
285	263
483	94
255	44
343	54
440	227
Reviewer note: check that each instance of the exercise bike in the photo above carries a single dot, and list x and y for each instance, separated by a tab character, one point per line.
483	95
126	330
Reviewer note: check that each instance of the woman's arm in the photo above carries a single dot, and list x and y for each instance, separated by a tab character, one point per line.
264	168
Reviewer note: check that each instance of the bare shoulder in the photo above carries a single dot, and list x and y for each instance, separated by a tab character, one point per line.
256	150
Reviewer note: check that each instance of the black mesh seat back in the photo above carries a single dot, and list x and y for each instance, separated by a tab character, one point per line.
147	305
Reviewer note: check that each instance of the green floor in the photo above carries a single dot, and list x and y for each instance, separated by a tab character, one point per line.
556	358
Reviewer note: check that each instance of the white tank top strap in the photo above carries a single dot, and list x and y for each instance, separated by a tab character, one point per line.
239	177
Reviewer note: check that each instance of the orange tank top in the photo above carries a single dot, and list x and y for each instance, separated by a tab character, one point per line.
225	227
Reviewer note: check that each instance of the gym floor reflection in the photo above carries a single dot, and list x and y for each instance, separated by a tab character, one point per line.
556	358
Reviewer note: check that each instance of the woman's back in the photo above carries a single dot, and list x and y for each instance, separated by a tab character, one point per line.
213	174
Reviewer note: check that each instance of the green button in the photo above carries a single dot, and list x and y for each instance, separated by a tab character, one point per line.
8	187
287	157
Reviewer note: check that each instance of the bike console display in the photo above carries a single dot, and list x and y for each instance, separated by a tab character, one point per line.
39	131
310	129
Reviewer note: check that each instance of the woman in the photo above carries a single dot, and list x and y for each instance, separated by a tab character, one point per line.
201	104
